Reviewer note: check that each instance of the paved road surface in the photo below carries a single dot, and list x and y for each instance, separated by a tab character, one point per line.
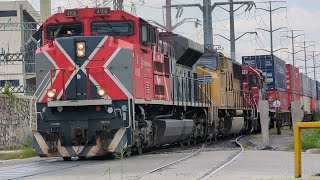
249	165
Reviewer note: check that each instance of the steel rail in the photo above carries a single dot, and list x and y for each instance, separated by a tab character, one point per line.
226	164
170	164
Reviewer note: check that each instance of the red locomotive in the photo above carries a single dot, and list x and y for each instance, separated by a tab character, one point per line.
108	81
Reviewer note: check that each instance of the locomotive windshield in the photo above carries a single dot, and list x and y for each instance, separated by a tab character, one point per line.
112	28
64	30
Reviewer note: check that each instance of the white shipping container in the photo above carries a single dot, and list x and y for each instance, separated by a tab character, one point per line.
305	101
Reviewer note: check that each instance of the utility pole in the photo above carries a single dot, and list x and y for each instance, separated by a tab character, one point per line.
232	29
305	54
292	43
233	42
270	10
232	33
45	9
118	4
207	9
314	63
168	16
207	24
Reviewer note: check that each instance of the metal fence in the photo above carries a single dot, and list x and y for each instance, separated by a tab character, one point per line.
26	90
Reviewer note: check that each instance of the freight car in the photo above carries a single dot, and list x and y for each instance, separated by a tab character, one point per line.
275	72
108	81
298	87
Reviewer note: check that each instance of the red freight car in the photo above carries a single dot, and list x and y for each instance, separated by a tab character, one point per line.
293	79
313	104
281	96
293	97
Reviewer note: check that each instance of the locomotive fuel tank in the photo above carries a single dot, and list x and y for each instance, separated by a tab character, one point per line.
168	131
237	125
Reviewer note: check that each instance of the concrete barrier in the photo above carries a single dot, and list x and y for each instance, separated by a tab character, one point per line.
16	125
264	121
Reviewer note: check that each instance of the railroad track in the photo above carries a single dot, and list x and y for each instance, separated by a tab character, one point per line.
207	175
225	164
40	167
46	166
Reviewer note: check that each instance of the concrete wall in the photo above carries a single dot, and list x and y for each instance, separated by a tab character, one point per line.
15	125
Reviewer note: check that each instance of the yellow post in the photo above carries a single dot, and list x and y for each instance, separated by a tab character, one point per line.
297	152
297	144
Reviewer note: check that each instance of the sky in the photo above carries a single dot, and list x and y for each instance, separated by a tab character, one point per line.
297	14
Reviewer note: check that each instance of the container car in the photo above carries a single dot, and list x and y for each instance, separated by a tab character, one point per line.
273	68
313	88
293	79
305	85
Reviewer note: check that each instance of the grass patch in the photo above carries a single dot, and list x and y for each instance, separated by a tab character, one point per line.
26	152
310	140
257	136
245	146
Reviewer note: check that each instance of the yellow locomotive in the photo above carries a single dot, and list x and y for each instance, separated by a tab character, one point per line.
232	108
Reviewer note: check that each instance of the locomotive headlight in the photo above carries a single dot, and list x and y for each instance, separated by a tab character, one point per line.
81	45
101	92
81	53
81	49
51	93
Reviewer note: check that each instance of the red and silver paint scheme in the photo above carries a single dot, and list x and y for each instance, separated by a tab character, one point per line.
124	90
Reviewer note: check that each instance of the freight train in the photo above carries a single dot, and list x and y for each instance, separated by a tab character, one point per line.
109	81
284	85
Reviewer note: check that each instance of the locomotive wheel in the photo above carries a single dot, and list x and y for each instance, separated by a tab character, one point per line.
67	158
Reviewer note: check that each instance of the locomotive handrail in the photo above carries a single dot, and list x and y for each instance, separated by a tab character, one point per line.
36	100
88	80
63	82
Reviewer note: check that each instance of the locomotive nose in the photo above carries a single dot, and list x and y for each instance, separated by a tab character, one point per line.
79	59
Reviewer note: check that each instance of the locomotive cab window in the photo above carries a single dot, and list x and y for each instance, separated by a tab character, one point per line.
147	34
113	28
64	30
253	80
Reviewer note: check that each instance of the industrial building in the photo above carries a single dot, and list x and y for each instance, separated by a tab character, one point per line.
18	22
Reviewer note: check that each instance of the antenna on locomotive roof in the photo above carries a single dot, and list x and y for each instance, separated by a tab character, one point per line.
59	10
118	5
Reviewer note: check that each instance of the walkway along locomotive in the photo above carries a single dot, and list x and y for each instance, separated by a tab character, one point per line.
110	81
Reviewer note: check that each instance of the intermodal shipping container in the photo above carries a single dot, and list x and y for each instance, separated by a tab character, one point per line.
282	96
292	97
293	79
273	68
318	105
313	104
305	101
318	90
313	88
305	85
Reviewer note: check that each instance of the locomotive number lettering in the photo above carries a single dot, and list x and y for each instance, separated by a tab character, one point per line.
102	11
71	13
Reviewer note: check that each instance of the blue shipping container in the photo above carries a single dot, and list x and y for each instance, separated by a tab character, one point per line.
313	88
274	69
318	91
305	83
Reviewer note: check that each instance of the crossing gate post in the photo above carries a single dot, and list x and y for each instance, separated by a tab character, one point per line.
297	144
